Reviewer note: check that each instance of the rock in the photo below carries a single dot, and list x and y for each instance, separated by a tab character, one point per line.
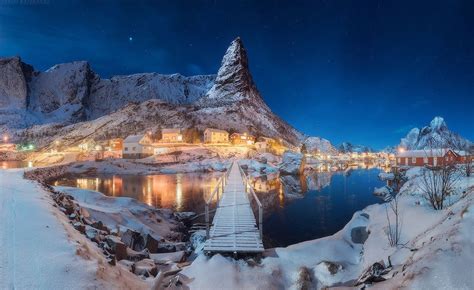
165	258
166	248
117	247
292	163
374	273
127	264
80	227
137	256
198	239
305	279
91	233
100	226
72	216
145	267
151	244
185	215
133	240
84	213
331	268
384	176
359	235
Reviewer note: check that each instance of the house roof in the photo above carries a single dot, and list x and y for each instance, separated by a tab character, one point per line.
426	153
170	130
216	130
134	138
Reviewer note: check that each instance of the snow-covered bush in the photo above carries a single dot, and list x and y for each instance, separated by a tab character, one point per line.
437	183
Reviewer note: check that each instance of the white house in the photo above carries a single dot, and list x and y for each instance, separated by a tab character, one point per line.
137	146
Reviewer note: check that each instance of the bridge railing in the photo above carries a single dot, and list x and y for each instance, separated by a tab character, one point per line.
220	185
249	188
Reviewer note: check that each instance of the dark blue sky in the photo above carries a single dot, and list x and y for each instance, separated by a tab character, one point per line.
359	71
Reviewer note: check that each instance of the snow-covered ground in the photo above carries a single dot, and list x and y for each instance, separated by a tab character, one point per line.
39	249
435	251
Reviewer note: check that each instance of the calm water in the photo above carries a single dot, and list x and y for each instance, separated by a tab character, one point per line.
313	206
180	192
15	164
295	208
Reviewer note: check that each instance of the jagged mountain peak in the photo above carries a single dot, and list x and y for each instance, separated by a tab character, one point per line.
234	81
438	123
435	136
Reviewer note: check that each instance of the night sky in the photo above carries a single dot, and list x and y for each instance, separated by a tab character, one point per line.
358	71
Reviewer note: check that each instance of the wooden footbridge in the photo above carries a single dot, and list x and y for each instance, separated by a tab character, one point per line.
234	229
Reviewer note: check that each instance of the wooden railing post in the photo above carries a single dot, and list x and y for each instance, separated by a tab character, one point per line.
207	221
260	221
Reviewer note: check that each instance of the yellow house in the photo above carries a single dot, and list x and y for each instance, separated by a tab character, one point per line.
171	135
215	136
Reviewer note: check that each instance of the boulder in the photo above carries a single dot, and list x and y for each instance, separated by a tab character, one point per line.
185	215
386	176
305	279
91	233
117	247
133	240
137	256
359	235
292	163
145	267
80	227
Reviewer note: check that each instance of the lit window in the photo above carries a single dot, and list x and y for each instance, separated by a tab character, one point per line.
425	160
413	160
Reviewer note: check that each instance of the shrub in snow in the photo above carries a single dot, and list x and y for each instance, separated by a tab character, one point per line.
394	226
437	183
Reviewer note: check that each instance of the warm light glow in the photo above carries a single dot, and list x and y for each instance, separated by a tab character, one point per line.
401	150
5	138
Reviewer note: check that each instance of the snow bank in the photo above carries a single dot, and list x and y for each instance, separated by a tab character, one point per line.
124	213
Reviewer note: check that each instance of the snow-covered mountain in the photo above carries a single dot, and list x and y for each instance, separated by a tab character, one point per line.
436	135
347	147
318	145
72	95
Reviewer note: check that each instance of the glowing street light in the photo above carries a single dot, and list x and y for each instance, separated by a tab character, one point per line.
401	150
5	138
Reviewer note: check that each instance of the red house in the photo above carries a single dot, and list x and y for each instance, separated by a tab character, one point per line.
431	157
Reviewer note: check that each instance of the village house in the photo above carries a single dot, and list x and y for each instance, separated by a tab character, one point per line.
116	144
430	157
171	135
242	139
137	146
265	144
215	136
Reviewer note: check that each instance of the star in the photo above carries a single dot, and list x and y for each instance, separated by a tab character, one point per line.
130	38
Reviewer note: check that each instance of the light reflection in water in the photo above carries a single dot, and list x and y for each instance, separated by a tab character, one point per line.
181	192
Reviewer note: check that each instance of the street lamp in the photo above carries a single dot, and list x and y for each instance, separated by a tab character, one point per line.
5	138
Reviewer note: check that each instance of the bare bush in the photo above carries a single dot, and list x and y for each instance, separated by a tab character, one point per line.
394	225
437	183
467	165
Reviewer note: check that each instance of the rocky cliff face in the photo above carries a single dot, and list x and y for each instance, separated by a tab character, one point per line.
14	75
70	93
315	145
436	135
347	147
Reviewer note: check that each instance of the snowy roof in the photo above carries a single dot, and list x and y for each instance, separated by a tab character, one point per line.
133	138
425	153
216	130
170	131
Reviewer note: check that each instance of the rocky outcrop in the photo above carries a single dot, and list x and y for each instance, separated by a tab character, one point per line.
292	163
315	145
14	75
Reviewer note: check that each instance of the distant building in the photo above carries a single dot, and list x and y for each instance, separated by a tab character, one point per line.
137	146
215	136
242	139
430	157
171	135
87	145
7	147
265	144
116	144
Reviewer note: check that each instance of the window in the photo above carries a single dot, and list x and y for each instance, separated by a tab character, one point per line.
134	148
399	160
413	160
425	160
126	148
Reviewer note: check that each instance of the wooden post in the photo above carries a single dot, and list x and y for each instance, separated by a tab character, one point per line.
260	221
207	221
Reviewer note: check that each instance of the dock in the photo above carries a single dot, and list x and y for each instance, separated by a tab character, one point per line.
234	227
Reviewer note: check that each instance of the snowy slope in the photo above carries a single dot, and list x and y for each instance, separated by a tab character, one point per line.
35	252
436	135
346	147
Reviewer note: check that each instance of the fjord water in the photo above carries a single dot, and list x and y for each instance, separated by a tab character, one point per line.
296	209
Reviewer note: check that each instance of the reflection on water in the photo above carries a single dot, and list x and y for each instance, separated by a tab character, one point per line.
181	192
315	205
15	164
296	208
